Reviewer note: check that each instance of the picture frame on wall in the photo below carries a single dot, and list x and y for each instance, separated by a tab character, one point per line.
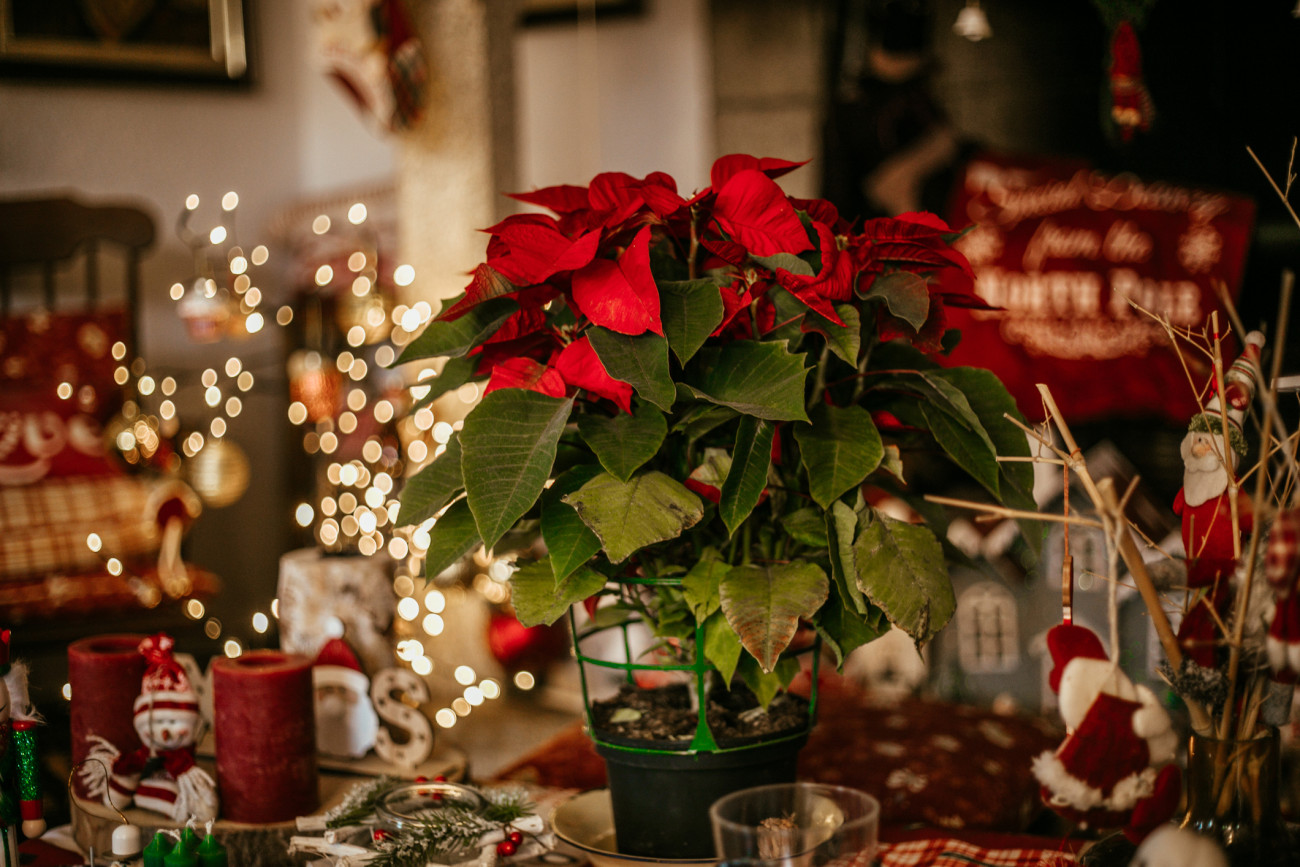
544	12
183	40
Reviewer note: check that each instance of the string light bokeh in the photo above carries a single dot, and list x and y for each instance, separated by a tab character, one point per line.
353	414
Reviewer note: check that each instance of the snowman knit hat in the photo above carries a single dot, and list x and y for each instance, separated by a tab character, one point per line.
165	685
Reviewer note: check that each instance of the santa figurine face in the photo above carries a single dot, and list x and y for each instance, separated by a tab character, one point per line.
167	728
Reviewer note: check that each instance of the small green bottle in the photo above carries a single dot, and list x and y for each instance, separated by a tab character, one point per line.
190	839
181	856
156	850
212	853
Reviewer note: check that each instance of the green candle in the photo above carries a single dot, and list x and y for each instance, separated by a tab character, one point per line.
212	853
155	851
181	857
190	839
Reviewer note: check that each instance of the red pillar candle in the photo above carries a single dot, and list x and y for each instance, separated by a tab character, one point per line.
104	673
265	730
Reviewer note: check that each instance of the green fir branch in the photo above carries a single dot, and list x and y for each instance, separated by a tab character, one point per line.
451	829
359	803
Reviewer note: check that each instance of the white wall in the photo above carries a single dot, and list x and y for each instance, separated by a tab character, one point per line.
291	134
627	94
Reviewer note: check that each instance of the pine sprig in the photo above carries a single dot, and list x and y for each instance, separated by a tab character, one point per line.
506	805
445	830
359	802
451	828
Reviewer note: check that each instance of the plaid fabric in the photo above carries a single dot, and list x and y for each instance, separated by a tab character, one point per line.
91	594
43	527
938	852
1282	555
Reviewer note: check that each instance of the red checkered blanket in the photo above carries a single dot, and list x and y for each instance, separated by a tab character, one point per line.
941	852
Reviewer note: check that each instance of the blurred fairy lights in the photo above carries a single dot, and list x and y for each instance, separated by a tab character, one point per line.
220	300
362	425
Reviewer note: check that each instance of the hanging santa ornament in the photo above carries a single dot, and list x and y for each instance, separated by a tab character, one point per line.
1210	535
1210	532
1131	108
1115	768
371	49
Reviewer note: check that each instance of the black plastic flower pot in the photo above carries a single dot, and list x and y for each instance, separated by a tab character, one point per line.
661	790
661	799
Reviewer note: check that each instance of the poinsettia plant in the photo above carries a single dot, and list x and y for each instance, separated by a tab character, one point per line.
712	387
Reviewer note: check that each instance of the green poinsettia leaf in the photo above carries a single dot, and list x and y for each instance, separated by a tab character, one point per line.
509	442
806	526
892	462
766	684
455	373
764	380
702	418
925	386
900	568
844	630
434	486
839	448
721	646
625	442
453	536
700	585
640	361
763	604
967	448
788	315
569	542
627	516
691	310
787	261
539	599
844	340
458	336
907	296
751	458
992	403
841	529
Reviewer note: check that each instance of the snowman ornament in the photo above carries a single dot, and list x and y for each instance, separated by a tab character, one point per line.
161	775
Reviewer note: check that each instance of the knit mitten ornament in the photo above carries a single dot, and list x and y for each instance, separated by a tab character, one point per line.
1114	769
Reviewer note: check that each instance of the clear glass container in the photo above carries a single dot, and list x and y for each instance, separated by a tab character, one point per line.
420	808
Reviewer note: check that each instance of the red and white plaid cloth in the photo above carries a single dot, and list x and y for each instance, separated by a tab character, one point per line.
43	527
940	852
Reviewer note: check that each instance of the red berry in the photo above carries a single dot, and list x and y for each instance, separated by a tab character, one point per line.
506	848
379	835
422	779
516	837
440	779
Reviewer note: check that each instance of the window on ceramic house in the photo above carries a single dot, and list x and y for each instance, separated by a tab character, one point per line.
987	631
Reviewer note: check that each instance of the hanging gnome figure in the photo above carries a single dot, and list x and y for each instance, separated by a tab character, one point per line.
1115	767
1205	502
162	775
20	782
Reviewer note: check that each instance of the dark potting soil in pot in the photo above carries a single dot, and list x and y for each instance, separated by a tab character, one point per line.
665	714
